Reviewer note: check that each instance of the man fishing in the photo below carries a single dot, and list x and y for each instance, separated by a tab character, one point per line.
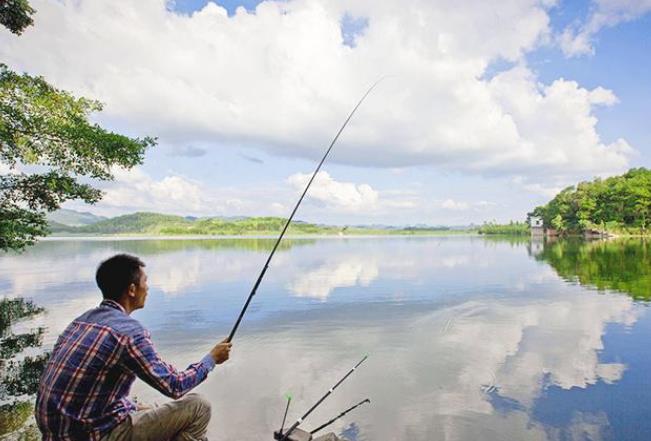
83	391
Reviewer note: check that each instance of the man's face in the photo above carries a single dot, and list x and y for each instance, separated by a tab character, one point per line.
140	291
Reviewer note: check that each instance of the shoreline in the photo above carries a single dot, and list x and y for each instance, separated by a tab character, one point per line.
100	238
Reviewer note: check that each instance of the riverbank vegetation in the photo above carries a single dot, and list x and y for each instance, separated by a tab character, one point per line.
510	229
620	205
155	224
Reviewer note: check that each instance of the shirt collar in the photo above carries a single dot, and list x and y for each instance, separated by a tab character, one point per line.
112	304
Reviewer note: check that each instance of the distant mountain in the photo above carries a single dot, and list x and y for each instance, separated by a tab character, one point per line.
72	218
136	223
155	224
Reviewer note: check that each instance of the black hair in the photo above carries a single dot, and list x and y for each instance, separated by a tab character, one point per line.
115	274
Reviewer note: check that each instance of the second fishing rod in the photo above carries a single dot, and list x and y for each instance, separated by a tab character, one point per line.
291	216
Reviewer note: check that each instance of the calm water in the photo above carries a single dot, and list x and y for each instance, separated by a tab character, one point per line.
469	339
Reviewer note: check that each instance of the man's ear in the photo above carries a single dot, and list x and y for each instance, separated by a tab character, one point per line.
131	291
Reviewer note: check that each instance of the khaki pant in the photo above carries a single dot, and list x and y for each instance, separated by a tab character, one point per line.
181	420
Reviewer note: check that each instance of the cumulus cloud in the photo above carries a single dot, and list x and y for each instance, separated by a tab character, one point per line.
578	39
282	77
451	204
345	195
134	189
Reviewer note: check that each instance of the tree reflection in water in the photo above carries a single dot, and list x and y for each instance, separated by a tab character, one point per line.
618	265
19	371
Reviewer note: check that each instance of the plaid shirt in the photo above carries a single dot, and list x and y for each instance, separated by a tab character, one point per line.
83	390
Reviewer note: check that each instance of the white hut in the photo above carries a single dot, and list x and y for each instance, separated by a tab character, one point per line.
536	226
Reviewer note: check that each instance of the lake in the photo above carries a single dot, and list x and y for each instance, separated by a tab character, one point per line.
469	338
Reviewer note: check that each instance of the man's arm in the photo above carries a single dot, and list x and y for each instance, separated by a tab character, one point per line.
141	358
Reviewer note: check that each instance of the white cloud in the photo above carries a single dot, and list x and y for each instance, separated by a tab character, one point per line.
485	204
282	79
454	205
451	204
344	195
136	190
542	190
578	39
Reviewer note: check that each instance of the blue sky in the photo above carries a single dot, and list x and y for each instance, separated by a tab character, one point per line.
490	109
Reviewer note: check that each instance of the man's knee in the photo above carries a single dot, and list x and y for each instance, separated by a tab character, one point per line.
199	404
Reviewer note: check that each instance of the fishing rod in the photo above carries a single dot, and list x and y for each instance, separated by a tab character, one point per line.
282	425
350	409
282	233
285	436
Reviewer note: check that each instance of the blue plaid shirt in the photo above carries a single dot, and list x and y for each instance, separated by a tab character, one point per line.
83	391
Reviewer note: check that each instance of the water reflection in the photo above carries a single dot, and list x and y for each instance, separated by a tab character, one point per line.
469	338
441	374
357	270
622	265
18	375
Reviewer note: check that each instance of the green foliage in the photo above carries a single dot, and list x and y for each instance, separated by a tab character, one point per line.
14	344
12	310
511	229
21	377
153	224
619	204
619	265
15	15
13	416
145	223
18	376
49	128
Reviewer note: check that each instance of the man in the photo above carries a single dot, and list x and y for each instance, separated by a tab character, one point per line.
83	391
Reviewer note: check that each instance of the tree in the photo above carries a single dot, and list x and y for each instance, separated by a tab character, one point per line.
47	131
621	203
15	15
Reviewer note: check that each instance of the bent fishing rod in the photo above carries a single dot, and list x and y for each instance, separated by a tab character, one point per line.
291	216
285	436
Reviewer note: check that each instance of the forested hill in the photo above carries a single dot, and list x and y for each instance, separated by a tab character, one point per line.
617	204
163	224
155	224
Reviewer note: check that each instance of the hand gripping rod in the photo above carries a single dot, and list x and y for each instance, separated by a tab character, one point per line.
300	420
291	216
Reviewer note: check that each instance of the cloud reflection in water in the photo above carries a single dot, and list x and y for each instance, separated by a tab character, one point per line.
478	333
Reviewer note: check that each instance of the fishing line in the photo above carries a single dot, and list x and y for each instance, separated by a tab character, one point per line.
282	233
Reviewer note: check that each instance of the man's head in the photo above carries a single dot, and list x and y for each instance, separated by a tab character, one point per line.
121	278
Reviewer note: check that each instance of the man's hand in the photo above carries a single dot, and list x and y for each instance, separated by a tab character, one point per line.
141	407
221	351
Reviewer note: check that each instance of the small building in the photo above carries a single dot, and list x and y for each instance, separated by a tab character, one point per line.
536	226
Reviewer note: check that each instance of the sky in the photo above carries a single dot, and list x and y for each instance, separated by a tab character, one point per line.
487	109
